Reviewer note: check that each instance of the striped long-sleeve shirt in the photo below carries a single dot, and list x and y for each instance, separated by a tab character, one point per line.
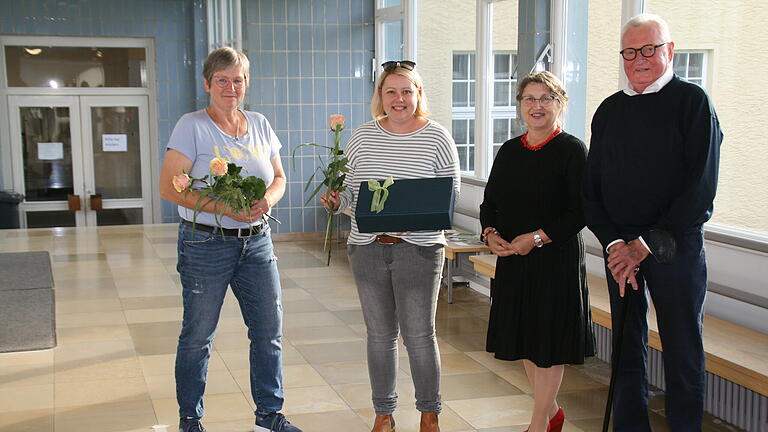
375	153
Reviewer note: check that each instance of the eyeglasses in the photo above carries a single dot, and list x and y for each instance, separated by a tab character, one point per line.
392	65
545	101
222	82
646	51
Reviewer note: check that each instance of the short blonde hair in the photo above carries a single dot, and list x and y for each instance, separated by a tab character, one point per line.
644	19
225	58
377	107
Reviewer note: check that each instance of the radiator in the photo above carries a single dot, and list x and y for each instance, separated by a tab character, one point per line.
725	400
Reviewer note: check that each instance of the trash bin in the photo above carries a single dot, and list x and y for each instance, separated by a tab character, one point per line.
9	214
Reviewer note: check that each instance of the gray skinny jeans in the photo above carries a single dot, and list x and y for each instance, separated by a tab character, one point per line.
398	286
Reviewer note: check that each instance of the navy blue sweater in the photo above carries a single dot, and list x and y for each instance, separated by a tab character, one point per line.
652	163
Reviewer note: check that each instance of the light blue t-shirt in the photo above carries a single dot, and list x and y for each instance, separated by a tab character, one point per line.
198	138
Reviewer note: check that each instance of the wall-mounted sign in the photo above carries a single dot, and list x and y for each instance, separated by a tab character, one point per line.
114	142
50	150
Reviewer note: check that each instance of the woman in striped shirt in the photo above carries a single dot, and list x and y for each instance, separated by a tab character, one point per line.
398	274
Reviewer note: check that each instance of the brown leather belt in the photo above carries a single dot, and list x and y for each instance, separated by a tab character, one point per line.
388	239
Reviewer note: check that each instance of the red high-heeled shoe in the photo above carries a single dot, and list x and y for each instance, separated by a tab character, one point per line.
557	421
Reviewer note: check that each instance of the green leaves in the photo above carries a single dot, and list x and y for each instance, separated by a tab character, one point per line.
231	188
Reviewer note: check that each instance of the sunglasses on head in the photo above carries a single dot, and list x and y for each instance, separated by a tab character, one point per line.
392	65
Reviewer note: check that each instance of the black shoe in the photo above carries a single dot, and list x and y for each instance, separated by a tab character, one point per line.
274	422
190	425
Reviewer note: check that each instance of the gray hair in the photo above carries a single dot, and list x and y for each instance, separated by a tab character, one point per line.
648	19
225	58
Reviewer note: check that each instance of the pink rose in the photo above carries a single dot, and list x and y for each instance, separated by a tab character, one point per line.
218	166
181	182
336	120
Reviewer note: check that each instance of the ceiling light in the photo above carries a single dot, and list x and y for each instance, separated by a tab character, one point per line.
33	51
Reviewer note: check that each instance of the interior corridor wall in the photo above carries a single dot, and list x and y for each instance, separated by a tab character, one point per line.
309	59
177	27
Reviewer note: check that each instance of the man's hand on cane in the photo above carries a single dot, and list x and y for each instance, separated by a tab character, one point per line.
624	262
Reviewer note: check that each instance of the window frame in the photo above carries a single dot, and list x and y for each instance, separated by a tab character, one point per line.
704	81
496	112
224	19
405	12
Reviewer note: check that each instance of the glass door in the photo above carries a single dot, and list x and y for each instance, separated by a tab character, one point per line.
83	159
45	133
116	159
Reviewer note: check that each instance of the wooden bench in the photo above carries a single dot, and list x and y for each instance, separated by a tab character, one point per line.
735	353
453	249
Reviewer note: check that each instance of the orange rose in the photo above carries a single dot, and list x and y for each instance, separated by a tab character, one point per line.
218	166
336	120
181	182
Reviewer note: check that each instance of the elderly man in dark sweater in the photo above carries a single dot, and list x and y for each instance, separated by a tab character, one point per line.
649	186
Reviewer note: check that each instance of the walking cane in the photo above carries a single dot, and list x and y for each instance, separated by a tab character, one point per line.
616	356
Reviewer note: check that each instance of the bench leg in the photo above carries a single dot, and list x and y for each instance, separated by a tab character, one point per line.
448	280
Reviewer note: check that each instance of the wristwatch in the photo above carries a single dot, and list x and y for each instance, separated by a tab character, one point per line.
537	241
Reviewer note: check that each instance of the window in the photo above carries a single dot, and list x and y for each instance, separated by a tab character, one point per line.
225	19
467	73
73	66
463	131
463	81
691	66
463	113
724	62
503	109
394	31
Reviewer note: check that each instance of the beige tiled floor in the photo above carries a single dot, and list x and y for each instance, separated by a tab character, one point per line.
118	317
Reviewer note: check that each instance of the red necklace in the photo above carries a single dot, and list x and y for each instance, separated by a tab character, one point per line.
524	139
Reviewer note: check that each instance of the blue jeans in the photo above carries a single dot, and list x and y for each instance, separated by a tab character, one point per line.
398	286
208	263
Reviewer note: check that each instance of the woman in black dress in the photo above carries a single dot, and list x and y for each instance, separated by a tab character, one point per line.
531	217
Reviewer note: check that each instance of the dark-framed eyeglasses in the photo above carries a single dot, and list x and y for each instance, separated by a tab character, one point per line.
392	65
545	101
646	51
224	82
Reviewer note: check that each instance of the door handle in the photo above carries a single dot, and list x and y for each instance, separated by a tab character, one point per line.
96	202
73	202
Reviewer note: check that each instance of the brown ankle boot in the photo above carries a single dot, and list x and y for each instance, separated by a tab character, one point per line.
383	423
429	422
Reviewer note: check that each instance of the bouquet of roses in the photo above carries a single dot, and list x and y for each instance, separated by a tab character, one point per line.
335	172
225	184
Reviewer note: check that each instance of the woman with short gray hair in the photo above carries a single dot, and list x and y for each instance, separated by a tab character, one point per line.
219	247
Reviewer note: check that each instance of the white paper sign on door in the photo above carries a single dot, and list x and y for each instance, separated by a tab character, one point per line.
114	142
50	150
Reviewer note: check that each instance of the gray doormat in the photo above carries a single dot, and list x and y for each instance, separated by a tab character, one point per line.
27	308
25	270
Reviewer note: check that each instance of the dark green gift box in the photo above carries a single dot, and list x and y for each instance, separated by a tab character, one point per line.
412	205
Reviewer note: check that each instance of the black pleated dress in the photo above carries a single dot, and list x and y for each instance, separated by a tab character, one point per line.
540	301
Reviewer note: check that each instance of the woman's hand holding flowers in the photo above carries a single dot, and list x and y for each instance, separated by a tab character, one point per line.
240	198
330	199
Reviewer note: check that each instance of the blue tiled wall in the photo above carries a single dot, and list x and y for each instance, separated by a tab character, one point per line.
177	26
309	59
